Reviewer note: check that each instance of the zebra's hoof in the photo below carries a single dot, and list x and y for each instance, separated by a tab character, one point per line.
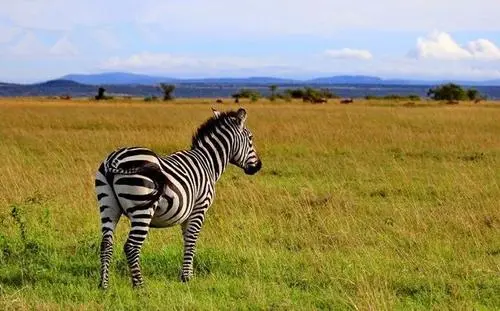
186	277
138	286
103	286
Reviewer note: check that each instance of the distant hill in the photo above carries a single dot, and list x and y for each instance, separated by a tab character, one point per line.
123	78
347	80
59	83
117	78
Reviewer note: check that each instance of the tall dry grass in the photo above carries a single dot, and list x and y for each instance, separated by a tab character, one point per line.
362	206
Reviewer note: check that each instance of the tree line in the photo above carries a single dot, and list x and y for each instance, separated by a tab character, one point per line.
445	92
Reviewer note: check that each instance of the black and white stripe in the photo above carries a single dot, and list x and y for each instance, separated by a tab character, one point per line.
154	191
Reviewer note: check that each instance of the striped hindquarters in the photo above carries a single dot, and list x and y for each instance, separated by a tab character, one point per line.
137	178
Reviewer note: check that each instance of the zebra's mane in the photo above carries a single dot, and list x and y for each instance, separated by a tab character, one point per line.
210	125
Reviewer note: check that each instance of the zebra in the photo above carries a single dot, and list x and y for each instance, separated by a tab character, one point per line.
178	189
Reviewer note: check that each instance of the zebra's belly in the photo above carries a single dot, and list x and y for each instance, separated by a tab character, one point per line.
170	212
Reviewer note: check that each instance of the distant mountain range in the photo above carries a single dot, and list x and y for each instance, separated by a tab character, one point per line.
122	78
129	84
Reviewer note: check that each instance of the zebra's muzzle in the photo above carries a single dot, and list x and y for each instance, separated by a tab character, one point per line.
250	170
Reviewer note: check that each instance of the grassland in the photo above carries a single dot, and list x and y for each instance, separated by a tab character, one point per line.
364	206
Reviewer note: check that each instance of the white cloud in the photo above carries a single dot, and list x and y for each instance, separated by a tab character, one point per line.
347	53
63	47
8	33
440	45
28	44
483	49
31	47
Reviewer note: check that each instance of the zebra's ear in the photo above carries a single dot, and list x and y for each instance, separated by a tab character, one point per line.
216	112
242	116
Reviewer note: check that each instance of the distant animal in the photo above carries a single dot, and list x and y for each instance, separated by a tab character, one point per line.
219	101
320	101
178	189
65	97
346	101
453	102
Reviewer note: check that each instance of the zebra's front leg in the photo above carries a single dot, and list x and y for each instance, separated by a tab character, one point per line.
190	232
138	232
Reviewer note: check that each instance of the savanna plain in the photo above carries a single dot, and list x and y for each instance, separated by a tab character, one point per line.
369	206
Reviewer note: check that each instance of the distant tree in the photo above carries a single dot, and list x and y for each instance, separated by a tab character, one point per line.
295	93
327	94
168	90
247	93
273	88
473	94
309	94
450	92
254	97
150	98
100	93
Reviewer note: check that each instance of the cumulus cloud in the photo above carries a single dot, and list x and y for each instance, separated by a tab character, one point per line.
440	45
63	47
347	53
483	49
29	45
8	33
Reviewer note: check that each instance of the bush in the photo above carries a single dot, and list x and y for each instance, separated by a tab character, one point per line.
312	95
453	92
254	98
273	88
253	95
100	94
168	90
295	93
411	97
150	98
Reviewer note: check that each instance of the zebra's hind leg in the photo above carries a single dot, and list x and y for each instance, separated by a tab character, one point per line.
110	215
140	221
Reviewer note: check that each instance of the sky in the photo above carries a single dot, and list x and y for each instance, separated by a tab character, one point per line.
413	39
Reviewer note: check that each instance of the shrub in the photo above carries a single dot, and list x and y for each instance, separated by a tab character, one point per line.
100	94
254	98
312	95
453	92
253	95
150	98
168	90
295	93
410	97
273	88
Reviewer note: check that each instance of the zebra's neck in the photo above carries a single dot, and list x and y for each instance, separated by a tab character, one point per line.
215	153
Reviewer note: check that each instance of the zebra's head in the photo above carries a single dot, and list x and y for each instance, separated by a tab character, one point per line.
243	154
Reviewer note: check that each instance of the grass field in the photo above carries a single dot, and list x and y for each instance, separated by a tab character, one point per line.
364	206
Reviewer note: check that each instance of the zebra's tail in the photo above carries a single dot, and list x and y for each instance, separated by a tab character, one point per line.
150	170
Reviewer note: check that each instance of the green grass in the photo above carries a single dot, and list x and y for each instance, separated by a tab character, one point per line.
372	205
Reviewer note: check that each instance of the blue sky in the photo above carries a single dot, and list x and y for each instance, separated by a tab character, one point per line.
419	39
